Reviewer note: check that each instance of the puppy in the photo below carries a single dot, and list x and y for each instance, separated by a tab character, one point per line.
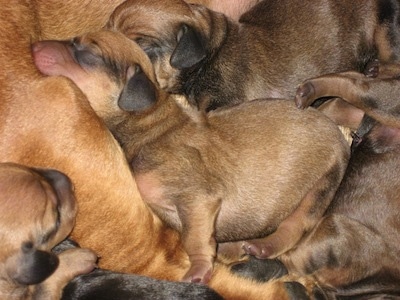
37	209
354	249
215	61
205	174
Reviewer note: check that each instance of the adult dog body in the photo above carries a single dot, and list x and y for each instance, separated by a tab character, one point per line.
48	122
277	44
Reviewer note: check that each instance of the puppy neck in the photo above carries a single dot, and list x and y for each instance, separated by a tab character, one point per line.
195	115
134	131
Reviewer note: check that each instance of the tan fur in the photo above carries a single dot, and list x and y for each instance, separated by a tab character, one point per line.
30	203
233	8
196	170
48	122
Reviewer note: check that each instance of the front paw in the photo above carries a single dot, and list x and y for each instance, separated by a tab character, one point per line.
199	273
77	261
304	95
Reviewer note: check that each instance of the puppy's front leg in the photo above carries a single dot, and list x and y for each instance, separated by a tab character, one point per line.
198	234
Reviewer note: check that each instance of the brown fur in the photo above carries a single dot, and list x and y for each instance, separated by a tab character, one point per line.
231	8
276	45
32	202
47	122
204	174
355	248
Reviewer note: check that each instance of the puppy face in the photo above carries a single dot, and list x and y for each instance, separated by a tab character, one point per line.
37	211
113	71
175	35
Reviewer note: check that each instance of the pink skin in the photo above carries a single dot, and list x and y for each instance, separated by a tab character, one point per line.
55	58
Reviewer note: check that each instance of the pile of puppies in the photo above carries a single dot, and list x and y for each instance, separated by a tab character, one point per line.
155	76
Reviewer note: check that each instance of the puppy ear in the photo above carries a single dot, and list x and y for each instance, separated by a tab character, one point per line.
139	92
190	49
34	266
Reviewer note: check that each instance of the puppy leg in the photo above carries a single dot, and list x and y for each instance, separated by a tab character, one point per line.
302	220
73	262
198	227
377	97
337	252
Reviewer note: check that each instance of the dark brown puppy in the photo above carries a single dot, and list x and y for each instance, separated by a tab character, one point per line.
265	165
215	61
37	211
355	247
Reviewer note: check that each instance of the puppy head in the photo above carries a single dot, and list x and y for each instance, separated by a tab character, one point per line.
37	211
113	71
175	35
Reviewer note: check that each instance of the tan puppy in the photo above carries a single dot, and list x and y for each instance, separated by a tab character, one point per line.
48	122
37	211
205	174
215	61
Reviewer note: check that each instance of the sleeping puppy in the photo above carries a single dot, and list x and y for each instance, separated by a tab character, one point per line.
214	61
208	175
37	211
355	248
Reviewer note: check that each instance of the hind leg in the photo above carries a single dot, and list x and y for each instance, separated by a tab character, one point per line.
301	221
338	252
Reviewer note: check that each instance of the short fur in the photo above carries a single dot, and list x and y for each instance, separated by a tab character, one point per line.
277	44
37	211
204	174
355	247
47	122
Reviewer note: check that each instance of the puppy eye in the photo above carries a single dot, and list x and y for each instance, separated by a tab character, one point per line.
87	58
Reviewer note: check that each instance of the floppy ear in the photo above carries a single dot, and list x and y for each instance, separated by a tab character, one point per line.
190	49
138	94
34	266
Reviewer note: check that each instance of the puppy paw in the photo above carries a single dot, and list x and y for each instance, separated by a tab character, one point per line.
304	95
258	249
198	273
372	69
77	261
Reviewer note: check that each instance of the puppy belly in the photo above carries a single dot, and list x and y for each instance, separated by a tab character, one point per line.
153	193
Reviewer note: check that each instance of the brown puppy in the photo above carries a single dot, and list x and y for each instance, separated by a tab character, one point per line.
37	211
48	122
204	174
215	61
355	249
